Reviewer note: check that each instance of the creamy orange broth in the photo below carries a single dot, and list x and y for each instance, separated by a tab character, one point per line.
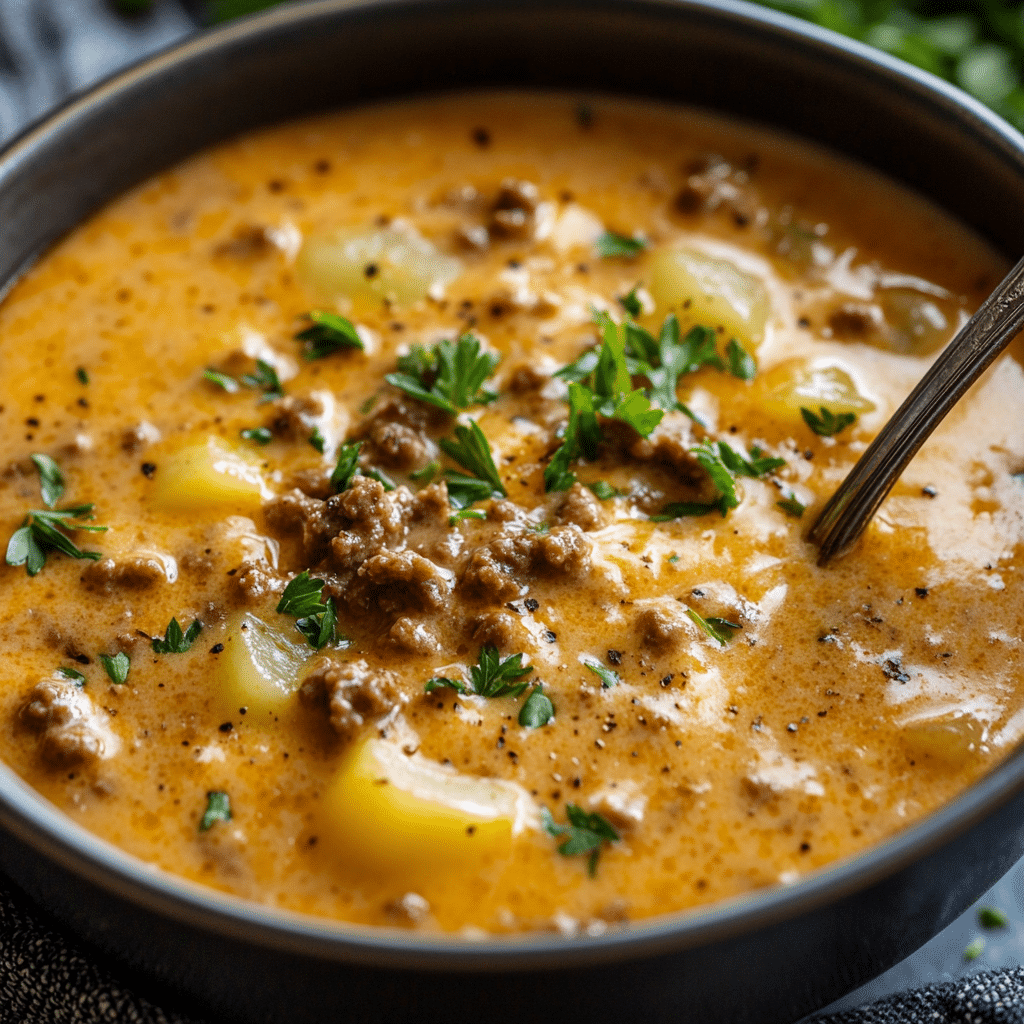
853	700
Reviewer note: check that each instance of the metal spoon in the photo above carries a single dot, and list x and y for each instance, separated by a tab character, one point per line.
964	360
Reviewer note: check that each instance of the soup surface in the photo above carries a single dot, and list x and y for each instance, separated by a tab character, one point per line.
455	459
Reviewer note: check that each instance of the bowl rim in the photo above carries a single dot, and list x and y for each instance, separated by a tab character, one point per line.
28	816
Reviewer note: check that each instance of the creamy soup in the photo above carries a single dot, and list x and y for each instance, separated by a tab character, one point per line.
453	460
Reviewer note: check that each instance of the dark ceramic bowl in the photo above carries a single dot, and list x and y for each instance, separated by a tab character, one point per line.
773	956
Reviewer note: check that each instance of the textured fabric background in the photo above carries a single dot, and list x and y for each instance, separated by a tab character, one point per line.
49	48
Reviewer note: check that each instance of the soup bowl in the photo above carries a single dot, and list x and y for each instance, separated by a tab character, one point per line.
774	955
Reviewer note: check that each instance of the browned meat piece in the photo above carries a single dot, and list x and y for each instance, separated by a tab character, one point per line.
658	629
473	237
513	211
408	578
670	443
136	572
316	520
581	508
399	446
295	417
499	629
431	505
856	321
398	433
67	719
564	550
497	570
372	517
254	582
314	482
248	242
526	377
413	636
353	693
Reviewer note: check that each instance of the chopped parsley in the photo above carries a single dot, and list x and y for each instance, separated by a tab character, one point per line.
346	468
466	513
315	618
218	808
426	473
722	464
537	709
718	629
174	640
448	375
828	423
472	452
51	479
631	304
265	379
609	677
73	674
328	333
611	245
739	361
317	440
711	461
490	677
43	531
602	490
380	476
222	380
792	507
117	666
259	435
974	949
585	833
82	375
991	917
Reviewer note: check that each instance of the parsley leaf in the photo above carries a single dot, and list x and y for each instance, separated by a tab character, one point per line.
218	808
537	709
442	682
492	677
991	917
581	433
221	380
631	304
328	333
974	949
611	245
608	677
73	674
585	833
82	375
116	666
315	618
260	435
51	479
791	507
464	490
449	375
758	465
176	642
347	467
828	423
265	379
426	473
317	440
685	509
581	368
712	462
472	452
43	530
466	513
718	629
740	362
602	490
380	476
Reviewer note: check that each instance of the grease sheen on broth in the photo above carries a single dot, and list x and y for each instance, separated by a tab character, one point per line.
851	701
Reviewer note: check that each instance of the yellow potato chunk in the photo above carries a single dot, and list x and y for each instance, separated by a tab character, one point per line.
368	266
702	289
261	667
796	384
952	739
402	817
207	476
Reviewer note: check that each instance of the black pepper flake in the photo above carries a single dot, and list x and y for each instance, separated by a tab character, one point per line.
792	727
893	669
803	322
805	847
148	469
216	648
549	636
615	657
371	270
531	604
929	492
242	711
184	743
482	137
667	680
225	727
921	591
32	421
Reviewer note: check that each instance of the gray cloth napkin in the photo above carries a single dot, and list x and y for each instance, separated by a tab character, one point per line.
49	48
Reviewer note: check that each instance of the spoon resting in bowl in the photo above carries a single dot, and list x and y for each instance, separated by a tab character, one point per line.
961	363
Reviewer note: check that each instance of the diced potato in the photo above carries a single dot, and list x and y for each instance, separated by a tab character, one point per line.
368	266
206	476
952	739
785	388
917	325
261	667
400	816
718	293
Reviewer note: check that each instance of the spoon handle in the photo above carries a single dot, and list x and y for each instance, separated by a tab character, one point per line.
962	362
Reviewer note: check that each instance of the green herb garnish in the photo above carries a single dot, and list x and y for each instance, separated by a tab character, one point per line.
43	530
448	375
974	949
718	629
328	333
73	674
739	361
585	833
221	380
792	507
116	666
466	513
472	452
608	677
537	709
317	440
992	917
490	677
602	490
685	509
51	479
259	435
346	468
611	245
176	642
264	379
631	304
82	375
427	473
380	476
315	618
828	423
218	808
